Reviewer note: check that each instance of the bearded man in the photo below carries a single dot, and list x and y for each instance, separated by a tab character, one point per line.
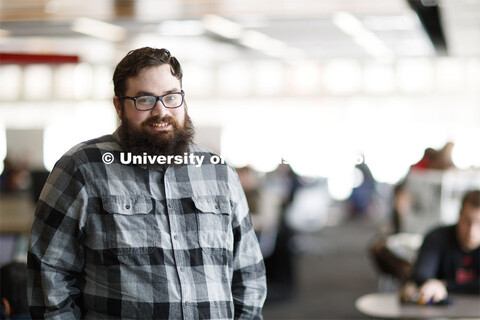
150	240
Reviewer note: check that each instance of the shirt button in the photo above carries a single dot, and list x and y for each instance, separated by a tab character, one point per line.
127	206
181	269
175	237
186	303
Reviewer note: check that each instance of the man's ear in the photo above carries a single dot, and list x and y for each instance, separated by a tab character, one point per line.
118	106
6	307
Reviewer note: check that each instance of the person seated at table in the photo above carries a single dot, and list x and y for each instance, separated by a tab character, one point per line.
448	261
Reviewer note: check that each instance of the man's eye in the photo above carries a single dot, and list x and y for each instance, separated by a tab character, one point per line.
144	99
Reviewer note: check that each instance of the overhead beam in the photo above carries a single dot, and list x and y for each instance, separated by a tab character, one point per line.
429	14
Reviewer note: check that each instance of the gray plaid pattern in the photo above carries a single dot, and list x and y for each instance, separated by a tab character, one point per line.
126	241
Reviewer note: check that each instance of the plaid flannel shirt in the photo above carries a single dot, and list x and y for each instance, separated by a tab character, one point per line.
127	241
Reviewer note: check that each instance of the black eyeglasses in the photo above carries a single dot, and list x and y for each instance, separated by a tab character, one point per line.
169	100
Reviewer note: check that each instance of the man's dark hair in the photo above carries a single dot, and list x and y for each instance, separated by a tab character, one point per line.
472	197
13	286
136	60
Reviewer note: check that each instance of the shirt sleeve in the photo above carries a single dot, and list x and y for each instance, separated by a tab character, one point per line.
249	288
55	253
429	258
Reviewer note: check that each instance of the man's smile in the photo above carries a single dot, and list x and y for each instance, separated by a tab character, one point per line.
160	125
163	124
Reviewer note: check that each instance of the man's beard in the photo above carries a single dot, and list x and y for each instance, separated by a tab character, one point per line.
142	140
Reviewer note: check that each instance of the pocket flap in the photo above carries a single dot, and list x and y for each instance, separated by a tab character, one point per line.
127	205
219	205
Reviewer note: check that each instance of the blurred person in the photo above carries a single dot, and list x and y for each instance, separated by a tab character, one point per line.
436	159
443	159
250	183
403	199
13	291
280	264
144	241
429	156
15	177
363	196
448	261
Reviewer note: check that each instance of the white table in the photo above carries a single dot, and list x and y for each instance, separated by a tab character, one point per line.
387	305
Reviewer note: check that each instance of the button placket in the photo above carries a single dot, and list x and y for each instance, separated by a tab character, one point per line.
175	228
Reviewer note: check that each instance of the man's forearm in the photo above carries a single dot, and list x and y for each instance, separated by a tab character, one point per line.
50	297
249	291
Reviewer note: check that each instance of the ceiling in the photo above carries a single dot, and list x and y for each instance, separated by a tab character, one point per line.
310	29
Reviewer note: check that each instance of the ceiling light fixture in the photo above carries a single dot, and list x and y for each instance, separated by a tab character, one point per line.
222	27
250	38
352	26
99	29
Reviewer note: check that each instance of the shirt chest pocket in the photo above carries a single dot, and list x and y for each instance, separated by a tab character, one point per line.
214	223
129	224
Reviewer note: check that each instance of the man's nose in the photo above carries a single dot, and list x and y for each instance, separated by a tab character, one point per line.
159	110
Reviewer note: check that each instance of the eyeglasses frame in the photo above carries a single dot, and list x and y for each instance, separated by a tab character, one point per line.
158	98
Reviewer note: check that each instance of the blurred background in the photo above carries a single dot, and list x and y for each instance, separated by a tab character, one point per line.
348	120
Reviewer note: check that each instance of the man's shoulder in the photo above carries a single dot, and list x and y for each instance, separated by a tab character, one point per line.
441	233
196	148
92	149
106	142
443	229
